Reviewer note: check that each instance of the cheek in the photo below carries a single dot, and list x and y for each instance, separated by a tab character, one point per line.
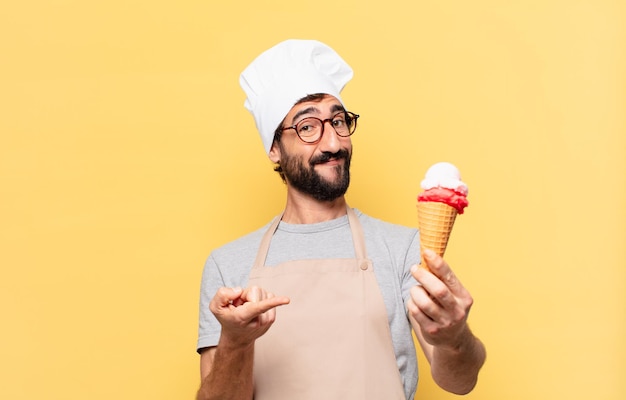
302	153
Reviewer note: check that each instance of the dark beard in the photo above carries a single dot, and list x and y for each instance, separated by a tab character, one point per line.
308	181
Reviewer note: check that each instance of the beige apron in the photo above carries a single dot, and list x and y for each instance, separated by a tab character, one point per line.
333	340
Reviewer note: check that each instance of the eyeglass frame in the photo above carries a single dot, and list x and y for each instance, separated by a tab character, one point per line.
349	114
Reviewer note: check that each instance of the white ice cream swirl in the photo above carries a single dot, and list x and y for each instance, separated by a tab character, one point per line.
446	175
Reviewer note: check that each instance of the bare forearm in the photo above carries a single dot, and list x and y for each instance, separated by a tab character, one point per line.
456	370
230	377
245	315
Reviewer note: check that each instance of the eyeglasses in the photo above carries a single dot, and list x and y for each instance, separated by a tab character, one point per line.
311	129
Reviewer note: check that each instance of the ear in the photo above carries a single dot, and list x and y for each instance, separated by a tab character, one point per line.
274	154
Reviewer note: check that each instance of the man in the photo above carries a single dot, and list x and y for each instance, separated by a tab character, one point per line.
320	303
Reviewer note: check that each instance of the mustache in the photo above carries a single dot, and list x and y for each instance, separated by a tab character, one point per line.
327	156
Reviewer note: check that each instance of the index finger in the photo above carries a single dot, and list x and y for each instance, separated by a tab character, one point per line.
442	270
251	310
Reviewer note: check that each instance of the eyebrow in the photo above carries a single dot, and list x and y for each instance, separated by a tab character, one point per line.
308	110
314	110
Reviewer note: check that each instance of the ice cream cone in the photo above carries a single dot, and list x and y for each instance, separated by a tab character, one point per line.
435	224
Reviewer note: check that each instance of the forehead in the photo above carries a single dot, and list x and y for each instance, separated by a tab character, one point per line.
324	106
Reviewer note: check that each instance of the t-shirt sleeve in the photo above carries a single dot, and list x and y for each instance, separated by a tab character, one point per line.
209	328
226	266
412	257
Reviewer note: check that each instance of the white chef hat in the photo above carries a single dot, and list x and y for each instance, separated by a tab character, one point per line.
284	74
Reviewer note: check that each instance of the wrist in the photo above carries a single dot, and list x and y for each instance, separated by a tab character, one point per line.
462	343
234	344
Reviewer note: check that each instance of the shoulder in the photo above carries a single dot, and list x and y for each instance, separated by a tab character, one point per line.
375	226
386	239
229	265
247	244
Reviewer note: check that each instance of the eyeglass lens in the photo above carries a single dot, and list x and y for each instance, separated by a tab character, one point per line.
311	129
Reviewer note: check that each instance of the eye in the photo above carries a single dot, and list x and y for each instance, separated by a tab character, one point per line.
307	127
339	121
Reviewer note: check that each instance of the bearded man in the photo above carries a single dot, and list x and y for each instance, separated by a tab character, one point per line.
320	303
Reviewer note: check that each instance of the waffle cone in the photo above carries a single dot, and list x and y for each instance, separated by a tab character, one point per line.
435	224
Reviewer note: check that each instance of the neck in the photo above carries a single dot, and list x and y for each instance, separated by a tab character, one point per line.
303	209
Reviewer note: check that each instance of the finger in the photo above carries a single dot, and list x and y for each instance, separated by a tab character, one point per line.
428	280
268	316
252	294
433	260
225	296
252	310
440	268
268	304
432	319
418	315
428	327
423	303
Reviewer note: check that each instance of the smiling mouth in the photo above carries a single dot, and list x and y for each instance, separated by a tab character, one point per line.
331	158
332	161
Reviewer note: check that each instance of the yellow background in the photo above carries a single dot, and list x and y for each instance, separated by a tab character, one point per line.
126	156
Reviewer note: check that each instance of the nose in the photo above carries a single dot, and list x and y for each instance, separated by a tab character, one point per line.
330	141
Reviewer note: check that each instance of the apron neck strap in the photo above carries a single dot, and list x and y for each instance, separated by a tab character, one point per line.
358	239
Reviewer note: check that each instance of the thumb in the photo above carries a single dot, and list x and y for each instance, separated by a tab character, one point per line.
226	296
